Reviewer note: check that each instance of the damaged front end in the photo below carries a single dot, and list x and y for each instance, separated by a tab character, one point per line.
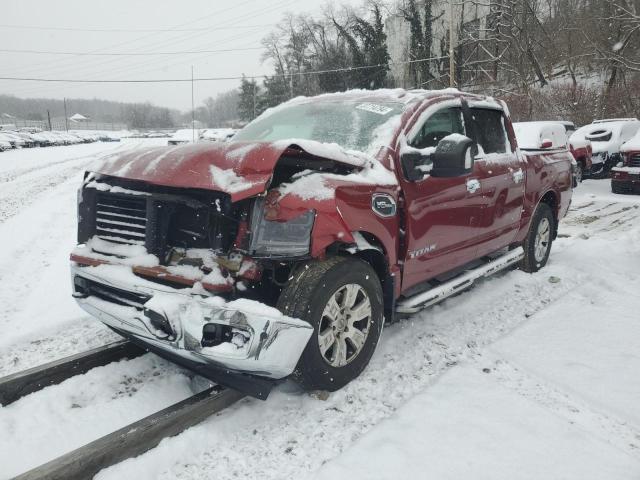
186	274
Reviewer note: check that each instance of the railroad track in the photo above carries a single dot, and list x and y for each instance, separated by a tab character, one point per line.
129	441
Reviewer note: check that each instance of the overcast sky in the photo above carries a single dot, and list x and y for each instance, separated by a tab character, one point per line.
131	26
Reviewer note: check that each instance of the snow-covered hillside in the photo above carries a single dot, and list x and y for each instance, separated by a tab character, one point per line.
524	376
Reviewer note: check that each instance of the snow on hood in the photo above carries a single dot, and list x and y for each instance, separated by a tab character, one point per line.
240	169
632	145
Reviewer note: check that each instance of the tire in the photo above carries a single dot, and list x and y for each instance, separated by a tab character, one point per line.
579	173
308	295
616	189
537	249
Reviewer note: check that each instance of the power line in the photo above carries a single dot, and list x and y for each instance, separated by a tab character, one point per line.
129	42
132	30
209	79
117	54
126	69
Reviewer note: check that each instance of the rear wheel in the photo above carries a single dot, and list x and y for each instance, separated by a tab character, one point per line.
579	172
537	245
341	298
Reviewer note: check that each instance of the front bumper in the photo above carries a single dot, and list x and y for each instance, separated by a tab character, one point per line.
625	179
216	339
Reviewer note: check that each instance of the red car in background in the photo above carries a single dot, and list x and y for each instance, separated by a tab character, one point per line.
556	134
625	176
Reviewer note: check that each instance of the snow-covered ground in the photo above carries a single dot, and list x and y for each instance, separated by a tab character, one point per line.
524	376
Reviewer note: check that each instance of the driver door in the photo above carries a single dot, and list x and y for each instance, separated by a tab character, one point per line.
442	214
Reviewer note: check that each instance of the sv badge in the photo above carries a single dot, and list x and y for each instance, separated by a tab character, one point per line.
383	204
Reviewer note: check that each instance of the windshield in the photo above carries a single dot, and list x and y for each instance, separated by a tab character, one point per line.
351	125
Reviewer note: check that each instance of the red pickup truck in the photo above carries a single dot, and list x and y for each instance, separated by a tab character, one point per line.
282	253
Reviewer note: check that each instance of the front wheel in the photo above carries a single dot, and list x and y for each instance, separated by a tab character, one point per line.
341	298
537	245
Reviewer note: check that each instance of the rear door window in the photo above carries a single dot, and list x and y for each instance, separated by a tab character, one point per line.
489	124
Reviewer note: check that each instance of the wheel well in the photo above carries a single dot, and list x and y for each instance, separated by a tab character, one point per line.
550	199
375	256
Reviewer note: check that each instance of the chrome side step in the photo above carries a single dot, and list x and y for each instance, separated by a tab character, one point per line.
430	297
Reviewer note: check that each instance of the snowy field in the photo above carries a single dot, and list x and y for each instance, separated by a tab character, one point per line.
523	377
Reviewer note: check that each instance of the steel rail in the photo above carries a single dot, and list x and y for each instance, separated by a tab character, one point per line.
17	385
135	438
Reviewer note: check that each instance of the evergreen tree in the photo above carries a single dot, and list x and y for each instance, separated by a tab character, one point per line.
248	103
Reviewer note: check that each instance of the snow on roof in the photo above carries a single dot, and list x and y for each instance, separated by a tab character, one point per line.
78	117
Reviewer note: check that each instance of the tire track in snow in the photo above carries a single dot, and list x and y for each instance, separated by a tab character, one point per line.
35	250
21	187
42	234
612	430
16	174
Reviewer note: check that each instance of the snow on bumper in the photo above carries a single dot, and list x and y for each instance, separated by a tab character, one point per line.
240	336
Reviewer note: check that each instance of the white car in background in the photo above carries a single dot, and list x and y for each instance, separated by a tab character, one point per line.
217	134
13	140
607	137
186	135
4	145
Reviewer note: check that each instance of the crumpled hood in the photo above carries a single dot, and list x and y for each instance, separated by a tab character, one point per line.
240	169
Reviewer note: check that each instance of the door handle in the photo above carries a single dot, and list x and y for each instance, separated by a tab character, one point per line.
473	185
518	175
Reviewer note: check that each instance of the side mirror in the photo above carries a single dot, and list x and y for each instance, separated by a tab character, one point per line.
453	157
415	164
546	143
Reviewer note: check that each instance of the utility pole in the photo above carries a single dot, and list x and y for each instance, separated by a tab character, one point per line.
49	119
66	122
254	97
291	86
452	62
193	112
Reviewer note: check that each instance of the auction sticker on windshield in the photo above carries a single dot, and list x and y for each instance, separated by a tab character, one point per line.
374	108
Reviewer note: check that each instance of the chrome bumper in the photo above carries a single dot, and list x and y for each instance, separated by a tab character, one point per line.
259	340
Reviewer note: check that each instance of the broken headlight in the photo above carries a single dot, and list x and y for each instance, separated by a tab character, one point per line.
280	239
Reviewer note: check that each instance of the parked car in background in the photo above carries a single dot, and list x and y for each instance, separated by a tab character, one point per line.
625	176
86	137
533	135
186	135
13	140
41	139
606	137
580	149
108	137
4	145
217	134
28	140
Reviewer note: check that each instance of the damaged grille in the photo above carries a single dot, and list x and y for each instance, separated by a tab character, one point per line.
121	219
634	160
159	218
86	287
